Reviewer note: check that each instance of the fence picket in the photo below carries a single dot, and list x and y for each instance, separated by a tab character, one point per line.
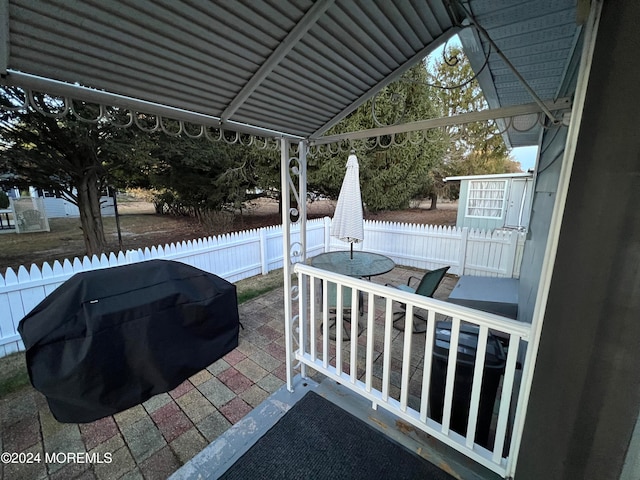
23	274
7	325
49	274
76	266
10	277
47	271
34	272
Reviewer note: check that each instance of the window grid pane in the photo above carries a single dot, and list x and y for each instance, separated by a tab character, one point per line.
486	198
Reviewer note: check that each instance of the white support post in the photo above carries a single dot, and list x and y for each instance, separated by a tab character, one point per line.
286	262
302	200
302	220
292	253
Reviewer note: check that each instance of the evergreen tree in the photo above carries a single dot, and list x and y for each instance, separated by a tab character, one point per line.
196	175
474	148
389	176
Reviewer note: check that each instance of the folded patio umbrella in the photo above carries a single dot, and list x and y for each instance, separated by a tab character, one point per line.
108	339
348	220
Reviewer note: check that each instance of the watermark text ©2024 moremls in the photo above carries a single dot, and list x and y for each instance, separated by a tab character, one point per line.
55	457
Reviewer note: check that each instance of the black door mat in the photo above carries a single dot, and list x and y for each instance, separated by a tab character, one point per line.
318	440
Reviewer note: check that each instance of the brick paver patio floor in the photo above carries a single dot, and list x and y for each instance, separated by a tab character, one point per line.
152	440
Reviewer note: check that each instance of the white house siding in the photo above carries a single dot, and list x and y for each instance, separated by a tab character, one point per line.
546	185
61	208
544	197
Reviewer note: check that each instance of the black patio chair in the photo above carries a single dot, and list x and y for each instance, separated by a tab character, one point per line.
427	287
332	300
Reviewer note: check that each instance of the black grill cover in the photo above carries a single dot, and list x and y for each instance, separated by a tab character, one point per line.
108	339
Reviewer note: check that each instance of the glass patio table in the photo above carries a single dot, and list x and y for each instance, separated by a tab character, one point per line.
363	264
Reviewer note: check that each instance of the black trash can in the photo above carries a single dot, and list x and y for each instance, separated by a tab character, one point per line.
493	370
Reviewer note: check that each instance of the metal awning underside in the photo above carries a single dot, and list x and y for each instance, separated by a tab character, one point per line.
538	38
291	67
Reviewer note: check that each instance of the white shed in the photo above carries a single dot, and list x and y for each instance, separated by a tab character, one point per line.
494	201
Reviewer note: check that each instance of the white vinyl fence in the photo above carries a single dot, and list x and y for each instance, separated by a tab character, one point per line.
467	252
245	254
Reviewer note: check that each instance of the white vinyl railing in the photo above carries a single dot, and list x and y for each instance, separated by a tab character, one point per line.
397	375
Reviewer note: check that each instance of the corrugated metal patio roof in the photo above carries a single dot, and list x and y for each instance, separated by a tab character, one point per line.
292	67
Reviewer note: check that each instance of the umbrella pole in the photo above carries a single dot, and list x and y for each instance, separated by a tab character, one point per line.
351	250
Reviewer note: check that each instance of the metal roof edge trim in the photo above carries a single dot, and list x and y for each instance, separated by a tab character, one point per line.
573	59
488	176
489	114
79	92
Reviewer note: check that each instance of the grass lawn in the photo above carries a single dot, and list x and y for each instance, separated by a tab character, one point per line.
64	240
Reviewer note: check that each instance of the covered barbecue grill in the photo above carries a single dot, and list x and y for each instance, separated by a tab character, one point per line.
108	339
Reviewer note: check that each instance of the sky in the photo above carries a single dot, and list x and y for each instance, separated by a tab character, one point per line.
526	156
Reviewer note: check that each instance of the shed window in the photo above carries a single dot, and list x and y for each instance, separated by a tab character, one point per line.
486	198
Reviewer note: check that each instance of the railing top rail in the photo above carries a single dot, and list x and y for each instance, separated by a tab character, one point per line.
492	321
